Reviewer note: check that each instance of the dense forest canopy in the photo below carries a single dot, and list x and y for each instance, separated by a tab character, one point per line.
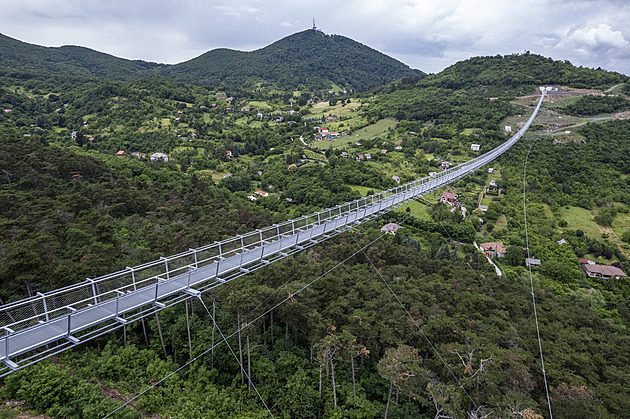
418	324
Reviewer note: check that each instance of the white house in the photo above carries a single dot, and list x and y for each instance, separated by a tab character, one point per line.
158	156
474	147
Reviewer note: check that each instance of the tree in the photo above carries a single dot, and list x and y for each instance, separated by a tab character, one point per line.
402	367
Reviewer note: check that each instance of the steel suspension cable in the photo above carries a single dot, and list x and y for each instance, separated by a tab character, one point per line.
235	357
531	280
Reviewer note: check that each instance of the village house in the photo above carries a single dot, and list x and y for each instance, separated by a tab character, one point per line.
368	156
262	193
121	153
445	165
475	147
390	228
603	271
532	262
159	156
449	198
396	179
398	147
383	151
229	154
493	249
490	171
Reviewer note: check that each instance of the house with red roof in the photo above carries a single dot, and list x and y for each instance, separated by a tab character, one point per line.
493	249
449	198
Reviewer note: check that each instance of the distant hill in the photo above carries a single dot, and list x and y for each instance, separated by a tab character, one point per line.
305	60
20	58
308	59
513	71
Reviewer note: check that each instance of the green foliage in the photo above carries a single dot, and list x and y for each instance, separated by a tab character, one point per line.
47	388
593	105
73	213
27	60
517	71
295	62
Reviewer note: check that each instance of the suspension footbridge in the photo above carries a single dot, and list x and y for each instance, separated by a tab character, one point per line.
48	323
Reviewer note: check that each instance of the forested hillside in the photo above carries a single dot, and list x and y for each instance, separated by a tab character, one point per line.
20	59
366	324
518	74
308	60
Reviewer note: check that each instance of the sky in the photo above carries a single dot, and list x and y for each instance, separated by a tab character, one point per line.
428	35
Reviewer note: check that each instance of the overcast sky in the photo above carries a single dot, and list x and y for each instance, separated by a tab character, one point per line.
425	34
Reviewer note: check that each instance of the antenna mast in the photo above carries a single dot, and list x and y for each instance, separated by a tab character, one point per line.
314	27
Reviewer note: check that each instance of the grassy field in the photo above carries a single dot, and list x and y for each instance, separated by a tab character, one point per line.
314	155
257	104
417	209
363	190
621	224
580	219
375	130
200	150
346	110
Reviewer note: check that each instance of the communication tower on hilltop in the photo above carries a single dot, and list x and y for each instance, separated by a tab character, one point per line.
315	28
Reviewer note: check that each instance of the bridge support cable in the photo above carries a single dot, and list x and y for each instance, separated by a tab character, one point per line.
531	281
239	362
77	313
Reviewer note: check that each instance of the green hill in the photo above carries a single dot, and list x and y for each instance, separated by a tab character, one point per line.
517	70
18	58
305	60
308	59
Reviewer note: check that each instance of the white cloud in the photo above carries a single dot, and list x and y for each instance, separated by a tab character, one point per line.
237	11
596	38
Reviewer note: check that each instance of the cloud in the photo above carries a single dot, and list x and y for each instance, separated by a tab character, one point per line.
600	38
237	11
424	34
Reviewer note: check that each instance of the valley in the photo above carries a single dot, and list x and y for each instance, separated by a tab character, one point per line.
99	172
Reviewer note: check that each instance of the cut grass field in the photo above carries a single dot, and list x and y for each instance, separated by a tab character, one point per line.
370	132
580	219
346	110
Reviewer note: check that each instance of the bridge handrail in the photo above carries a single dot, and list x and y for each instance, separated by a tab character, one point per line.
31	311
